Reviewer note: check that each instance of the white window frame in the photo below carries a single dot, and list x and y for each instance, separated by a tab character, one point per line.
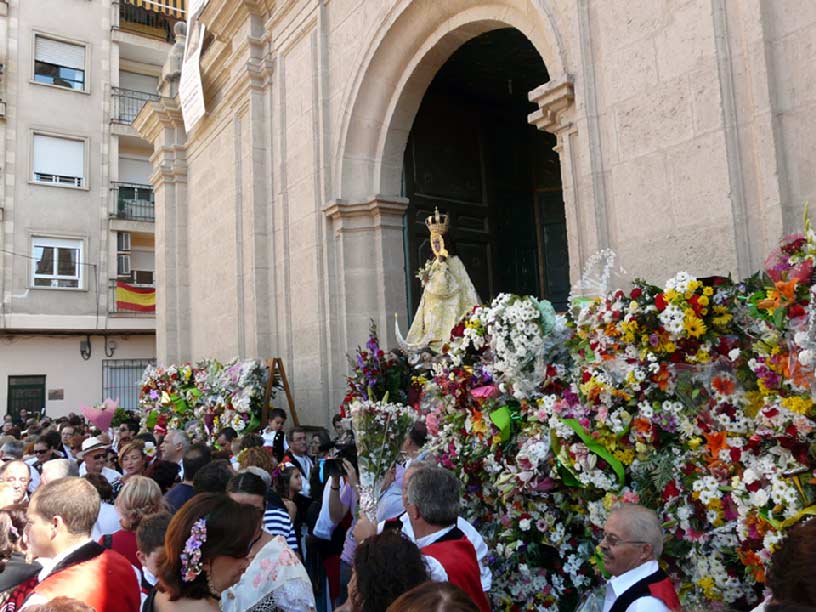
58	242
56	181
86	89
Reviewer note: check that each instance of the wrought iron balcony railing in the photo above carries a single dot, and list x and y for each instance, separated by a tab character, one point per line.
127	103
133	202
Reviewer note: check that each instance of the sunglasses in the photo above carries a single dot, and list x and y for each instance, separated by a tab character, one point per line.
97	456
41	451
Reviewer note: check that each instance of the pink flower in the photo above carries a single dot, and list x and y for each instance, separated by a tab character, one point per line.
432	424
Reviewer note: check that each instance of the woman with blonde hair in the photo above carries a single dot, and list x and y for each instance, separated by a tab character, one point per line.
139	497
133	461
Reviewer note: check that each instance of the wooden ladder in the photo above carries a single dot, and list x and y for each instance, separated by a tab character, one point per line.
277	372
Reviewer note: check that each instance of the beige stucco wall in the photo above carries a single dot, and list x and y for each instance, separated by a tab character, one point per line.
58	359
682	127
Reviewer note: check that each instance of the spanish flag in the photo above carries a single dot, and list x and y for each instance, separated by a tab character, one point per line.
135	299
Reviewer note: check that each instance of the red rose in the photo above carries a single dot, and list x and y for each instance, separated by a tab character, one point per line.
736	454
670	491
660	302
795	311
636	293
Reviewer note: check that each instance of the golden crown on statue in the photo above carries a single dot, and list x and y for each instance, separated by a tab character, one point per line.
437	223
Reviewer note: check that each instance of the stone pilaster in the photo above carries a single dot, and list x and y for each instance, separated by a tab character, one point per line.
161	123
370	266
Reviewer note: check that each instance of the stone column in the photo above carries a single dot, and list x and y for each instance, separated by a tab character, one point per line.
556	115
369	269
161	123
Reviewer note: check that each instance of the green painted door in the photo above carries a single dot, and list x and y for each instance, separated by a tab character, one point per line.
26	392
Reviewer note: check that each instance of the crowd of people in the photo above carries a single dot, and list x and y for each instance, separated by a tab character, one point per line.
126	520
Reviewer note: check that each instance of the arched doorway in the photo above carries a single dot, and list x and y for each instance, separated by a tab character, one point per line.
472	153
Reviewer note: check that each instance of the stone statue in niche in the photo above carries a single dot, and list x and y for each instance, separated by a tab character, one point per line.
448	294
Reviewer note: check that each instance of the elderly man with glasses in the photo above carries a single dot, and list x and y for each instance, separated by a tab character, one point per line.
631	545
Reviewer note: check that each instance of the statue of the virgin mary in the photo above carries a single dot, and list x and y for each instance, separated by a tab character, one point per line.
448	294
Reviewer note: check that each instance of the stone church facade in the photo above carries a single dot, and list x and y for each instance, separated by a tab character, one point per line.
677	132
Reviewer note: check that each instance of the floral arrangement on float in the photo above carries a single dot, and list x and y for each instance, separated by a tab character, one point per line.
695	398
209	394
380	425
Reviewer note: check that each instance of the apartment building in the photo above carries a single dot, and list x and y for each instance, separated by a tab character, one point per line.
77	317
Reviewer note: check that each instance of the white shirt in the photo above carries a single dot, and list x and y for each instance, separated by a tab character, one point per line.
269	439
107	522
435	569
49	564
471	534
110	475
617	585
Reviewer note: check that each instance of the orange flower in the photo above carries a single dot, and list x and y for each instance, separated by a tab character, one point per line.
783	295
715	443
725	385
642	426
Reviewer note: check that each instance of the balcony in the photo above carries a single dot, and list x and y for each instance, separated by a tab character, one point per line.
133	202
151	18
131	299
127	103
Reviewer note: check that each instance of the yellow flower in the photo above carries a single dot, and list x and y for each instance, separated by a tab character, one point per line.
708	291
722	320
702	356
670	295
702	300
693	285
694	443
709	590
694	327
798	404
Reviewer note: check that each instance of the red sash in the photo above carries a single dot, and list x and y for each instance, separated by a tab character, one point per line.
458	557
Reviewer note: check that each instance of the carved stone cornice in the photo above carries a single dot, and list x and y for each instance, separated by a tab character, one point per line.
378	211
556	106
161	123
223	18
156	116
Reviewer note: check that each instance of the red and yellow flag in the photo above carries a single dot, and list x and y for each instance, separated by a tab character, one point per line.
135	299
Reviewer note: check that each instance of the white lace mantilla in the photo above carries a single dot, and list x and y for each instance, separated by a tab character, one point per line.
275	580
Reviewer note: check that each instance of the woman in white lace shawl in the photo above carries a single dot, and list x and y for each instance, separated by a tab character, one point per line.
275	579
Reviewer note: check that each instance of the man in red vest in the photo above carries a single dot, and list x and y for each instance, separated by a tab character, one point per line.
433	508
631	545
61	516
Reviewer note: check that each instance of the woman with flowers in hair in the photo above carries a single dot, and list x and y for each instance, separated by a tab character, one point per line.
206	552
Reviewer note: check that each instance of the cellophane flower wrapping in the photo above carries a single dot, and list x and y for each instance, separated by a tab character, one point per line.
379	429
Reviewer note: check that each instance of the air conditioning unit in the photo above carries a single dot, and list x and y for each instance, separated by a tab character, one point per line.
123	265
123	242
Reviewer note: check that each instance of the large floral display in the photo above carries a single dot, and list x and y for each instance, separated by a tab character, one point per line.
208	395
695	399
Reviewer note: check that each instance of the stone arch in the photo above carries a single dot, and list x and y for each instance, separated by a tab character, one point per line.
409	47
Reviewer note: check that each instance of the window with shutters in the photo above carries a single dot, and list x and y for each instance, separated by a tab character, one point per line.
56	263
58	161
59	63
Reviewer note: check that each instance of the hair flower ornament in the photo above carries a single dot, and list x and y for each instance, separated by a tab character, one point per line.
191	565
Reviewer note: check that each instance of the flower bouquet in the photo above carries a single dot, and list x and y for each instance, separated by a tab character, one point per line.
213	394
379	429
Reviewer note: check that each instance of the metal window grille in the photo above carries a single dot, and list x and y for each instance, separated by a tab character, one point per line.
121	379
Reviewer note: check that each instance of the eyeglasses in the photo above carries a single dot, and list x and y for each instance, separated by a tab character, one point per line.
614	540
97	456
40	451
